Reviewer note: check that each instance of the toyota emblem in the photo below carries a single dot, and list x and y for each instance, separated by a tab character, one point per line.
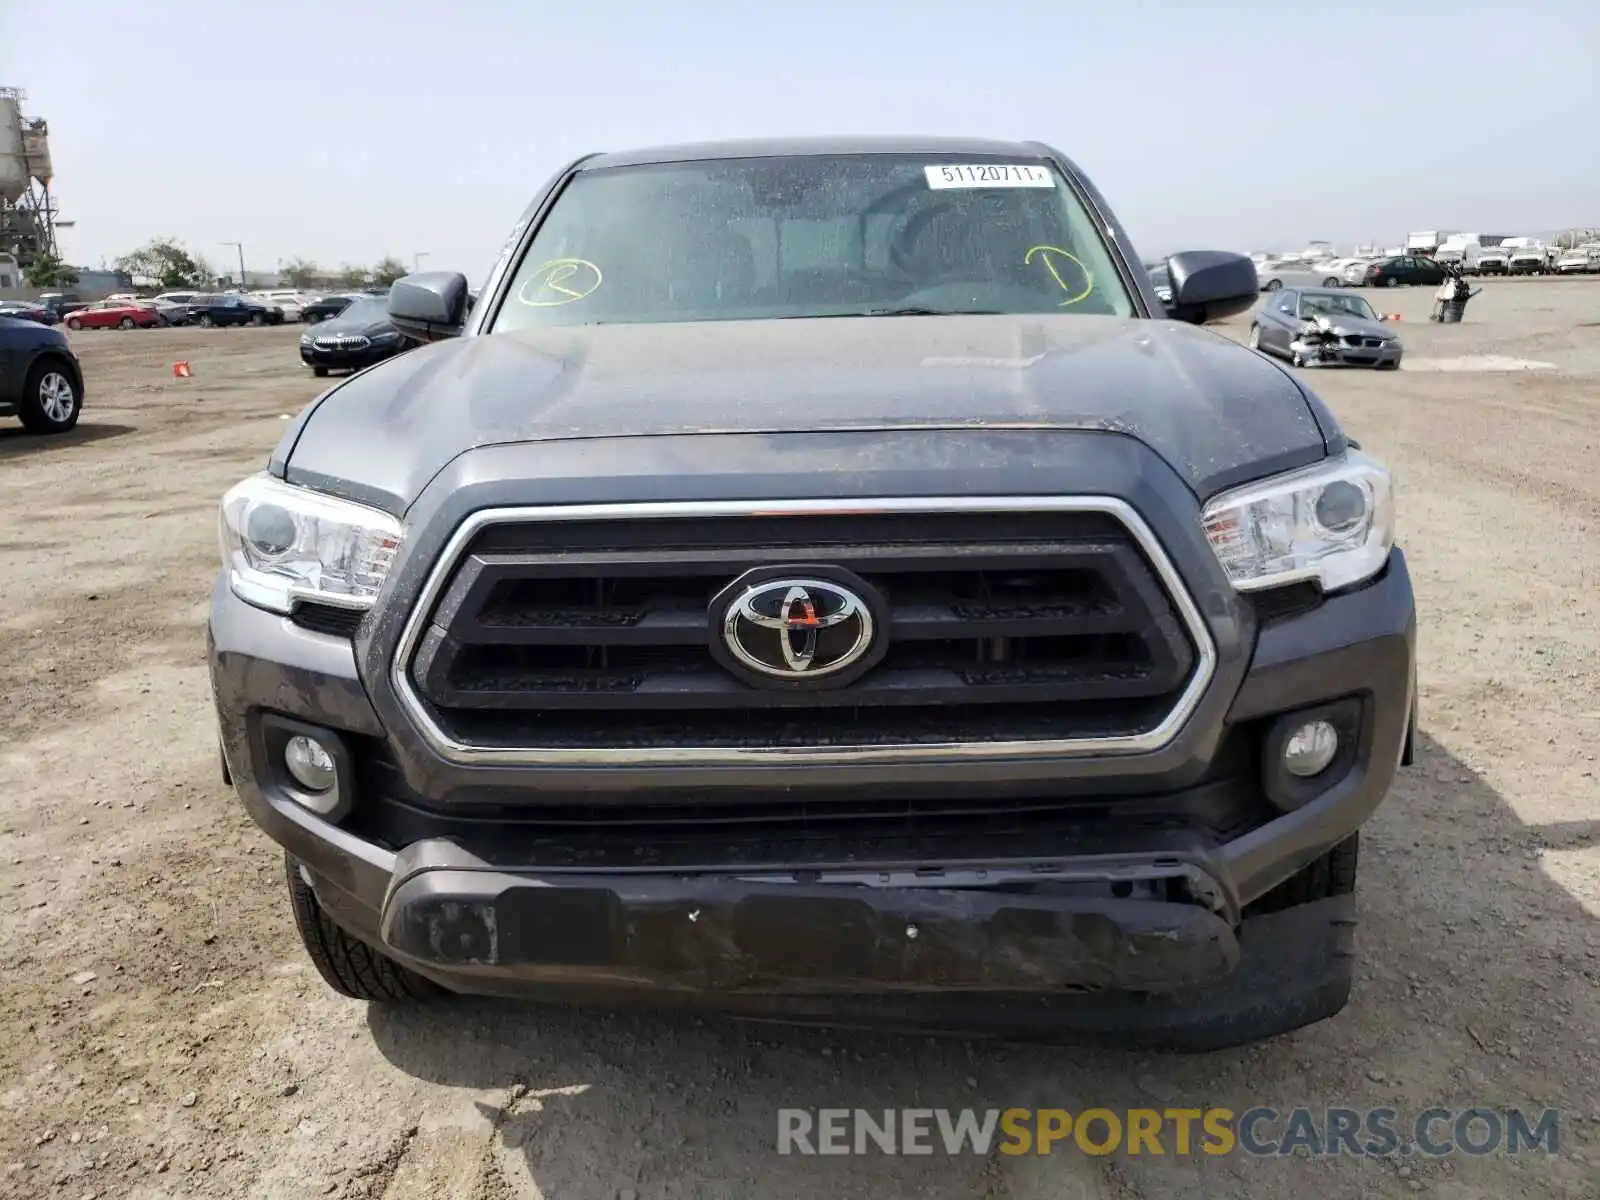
797	629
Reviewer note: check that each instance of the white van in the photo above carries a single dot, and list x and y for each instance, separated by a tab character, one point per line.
1463	252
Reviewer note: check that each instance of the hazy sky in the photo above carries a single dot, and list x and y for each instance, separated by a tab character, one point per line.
342	130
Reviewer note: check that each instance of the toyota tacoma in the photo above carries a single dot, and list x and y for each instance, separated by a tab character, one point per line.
820	580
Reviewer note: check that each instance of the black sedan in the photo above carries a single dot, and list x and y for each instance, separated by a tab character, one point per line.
40	381
207	310
27	310
324	308
358	337
1404	268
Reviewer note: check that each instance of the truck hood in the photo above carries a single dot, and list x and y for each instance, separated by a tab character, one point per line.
1216	412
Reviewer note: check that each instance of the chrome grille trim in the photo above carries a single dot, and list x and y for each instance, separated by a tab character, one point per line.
669	757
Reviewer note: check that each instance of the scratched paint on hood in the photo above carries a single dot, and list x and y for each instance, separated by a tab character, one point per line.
1205	404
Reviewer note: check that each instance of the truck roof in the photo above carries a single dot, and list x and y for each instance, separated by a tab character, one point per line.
788	147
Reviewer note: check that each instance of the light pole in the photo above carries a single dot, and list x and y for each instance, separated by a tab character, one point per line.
416	259
239	246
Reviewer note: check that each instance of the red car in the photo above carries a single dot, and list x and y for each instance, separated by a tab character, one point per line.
107	314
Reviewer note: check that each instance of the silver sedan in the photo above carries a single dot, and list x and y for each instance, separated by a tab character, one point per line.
1276	276
1314	327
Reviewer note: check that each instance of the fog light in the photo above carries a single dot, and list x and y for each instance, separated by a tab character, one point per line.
1310	748
309	762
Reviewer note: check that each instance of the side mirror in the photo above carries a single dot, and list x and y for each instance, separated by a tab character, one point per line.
430	306
1211	285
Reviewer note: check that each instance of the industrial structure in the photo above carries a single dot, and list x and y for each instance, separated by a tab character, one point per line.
27	212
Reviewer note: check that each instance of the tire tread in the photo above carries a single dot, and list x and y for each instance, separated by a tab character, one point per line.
348	965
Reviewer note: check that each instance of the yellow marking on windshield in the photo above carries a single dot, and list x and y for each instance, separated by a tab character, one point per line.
1048	255
564	280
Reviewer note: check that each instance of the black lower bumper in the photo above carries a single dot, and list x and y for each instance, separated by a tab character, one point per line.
777	933
976	963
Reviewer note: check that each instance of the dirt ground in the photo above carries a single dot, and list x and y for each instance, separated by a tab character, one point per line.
165	1036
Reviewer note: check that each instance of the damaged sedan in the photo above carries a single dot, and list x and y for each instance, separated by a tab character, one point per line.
1319	327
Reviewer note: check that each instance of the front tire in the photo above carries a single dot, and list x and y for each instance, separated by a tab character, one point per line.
1274	285
125	323
1331	282
320	372
50	400
74	324
257	319
206	321
350	967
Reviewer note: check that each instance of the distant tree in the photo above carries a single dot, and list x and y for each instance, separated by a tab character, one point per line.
389	269
352	277
300	272
48	271
166	262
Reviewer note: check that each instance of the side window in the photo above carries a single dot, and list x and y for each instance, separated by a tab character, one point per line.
1287	303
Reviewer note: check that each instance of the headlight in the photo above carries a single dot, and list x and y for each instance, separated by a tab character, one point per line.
305	339
1332	523
283	544
388	335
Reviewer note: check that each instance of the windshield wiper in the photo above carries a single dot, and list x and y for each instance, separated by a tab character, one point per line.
919	310
907	310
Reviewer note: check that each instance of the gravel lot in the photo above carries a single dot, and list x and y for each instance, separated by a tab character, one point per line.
165	1036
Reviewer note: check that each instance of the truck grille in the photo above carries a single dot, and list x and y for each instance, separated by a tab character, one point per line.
594	637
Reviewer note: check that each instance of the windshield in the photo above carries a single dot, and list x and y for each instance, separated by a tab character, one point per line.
1336	306
366	310
811	236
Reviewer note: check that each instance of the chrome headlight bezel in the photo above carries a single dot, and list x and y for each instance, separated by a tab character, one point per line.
1275	532
284	545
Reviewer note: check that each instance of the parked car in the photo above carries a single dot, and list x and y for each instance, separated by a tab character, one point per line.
290	304
325	307
114	314
169	312
211	309
62	303
1277	275
769	561
181	298
1409	269
1530	260
1354	272
1494	261
1324	327
358	337
1577	262
28	310
41	382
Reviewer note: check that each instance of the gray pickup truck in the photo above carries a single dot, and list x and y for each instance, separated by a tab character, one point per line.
820	579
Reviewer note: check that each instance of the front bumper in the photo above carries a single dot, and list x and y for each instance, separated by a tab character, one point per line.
345	360
1121	927
1326	354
